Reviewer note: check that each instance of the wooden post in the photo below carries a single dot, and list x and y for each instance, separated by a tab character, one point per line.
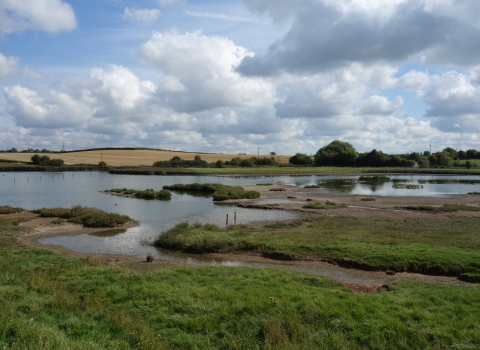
226	224
235	219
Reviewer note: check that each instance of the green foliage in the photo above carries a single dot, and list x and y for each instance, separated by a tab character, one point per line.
247	163
373	159
312	186
337	153
6	209
368	199
177	162
277	189
219	192
327	205
88	217
46	161
219	164
472	277
102	163
301	159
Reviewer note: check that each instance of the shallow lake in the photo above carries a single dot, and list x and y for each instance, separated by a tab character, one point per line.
32	190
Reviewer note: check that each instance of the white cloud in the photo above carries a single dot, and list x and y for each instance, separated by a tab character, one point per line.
414	80
221	16
169	2
203	69
8	65
47	15
141	15
380	105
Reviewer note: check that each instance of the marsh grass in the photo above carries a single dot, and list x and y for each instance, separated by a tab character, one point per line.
50	301
326	205
88	217
6	209
374	179
277	189
219	192
368	199
312	186
149	193
438	246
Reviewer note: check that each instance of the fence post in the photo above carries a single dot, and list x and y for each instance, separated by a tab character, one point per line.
226	224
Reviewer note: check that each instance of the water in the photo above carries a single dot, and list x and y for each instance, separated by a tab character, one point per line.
36	190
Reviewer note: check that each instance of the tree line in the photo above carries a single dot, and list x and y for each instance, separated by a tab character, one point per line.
343	154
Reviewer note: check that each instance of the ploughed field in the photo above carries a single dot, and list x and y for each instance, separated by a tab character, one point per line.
130	157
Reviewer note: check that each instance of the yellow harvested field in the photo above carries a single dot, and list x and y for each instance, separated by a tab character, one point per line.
115	157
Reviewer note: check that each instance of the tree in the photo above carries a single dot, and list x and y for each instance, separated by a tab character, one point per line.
453	154
102	163
423	162
197	157
337	153
472	154
35	159
219	164
372	159
301	159
462	155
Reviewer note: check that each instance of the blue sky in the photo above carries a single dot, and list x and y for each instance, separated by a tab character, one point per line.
218	76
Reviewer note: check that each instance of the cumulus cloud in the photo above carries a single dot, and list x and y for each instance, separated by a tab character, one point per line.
8	65
46	15
141	15
326	34
380	105
200	72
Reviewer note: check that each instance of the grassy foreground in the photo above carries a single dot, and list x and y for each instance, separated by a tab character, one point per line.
50	301
431	245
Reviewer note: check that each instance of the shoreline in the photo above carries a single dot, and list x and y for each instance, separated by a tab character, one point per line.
383	206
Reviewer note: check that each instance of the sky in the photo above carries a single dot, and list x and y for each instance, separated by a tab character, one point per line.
259	76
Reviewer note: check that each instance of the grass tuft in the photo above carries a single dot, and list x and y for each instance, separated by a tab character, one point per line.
6	209
219	192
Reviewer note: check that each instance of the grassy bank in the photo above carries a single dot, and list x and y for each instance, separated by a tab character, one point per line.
53	302
219	192
428	245
149	193
88	217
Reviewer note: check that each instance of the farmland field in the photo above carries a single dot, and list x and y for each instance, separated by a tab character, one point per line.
118	157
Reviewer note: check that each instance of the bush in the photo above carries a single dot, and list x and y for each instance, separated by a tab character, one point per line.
277	189
368	199
312	186
102	163
301	159
45	161
6	209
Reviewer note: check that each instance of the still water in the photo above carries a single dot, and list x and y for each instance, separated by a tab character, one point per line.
36	190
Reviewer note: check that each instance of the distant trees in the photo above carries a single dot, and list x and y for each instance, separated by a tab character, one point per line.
46	161
301	159
337	153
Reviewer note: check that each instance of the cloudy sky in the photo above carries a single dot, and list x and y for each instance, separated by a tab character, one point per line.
224	76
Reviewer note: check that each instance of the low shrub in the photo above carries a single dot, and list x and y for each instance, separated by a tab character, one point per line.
378	178
277	189
368	199
6	209
312	186
444	208
267	184
88	217
149	193
150	257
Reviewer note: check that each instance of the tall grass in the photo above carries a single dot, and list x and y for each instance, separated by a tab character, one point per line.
6	209
88	217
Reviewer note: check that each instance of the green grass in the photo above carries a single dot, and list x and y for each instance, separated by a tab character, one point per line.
267	184
88	217
312	186
440	246
326	205
219	192
55	302
444	208
277	189
6	209
368	199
